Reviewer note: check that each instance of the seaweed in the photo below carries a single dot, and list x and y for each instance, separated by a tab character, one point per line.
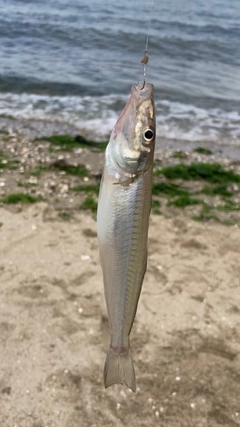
69	142
2	165
9	164
3	160
65	216
6	162
78	170
229	206
168	189
210	172
65	142
89	204
86	188
183	201
220	190
202	150
26	184
179	155
38	171
3	155
155	207
20	198
205	214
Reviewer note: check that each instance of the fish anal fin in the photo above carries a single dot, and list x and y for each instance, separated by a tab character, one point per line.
119	369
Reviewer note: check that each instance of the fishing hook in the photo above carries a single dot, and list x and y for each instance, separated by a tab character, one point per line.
144	82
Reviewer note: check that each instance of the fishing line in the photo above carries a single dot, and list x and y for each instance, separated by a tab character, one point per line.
145	58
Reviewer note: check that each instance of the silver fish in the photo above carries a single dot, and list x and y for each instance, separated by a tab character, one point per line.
122	225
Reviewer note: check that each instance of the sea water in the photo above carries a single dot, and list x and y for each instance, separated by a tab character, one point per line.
73	62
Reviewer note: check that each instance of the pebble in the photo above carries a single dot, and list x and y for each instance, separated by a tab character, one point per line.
32	180
24	150
63	188
52	184
85	257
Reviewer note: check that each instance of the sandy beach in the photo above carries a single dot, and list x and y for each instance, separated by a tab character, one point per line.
53	324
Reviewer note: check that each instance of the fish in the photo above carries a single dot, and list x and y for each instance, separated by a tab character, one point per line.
122	225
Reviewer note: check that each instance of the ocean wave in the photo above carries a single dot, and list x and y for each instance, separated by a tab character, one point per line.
98	114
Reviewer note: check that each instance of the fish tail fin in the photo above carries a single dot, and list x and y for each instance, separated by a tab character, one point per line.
119	369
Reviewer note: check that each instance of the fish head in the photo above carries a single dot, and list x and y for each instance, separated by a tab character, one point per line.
133	137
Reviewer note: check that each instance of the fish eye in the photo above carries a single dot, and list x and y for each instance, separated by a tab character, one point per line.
148	135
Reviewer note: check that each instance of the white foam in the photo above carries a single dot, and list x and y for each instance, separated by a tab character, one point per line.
83	112
191	123
175	120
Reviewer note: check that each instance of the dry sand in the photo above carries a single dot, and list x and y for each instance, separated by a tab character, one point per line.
54	332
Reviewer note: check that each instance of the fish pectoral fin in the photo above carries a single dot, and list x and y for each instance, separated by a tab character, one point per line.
119	369
127	181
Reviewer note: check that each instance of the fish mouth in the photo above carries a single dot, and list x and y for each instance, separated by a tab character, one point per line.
143	93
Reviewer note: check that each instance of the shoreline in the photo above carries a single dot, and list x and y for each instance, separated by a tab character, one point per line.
41	128
65	172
